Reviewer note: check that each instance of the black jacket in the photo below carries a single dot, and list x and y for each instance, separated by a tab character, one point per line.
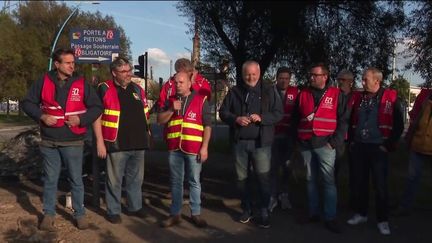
33	99
234	105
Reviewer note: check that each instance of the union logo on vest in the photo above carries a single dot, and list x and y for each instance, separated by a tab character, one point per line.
192	115
75	96
328	103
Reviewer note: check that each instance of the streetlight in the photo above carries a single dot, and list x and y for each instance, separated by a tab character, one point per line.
61	29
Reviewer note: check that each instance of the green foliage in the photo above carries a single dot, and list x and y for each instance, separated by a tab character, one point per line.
345	34
420	40
403	88
27	36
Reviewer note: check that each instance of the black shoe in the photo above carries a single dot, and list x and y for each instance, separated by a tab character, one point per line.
171	221
264	222
245	217
198	221
333	226
114	218
139	214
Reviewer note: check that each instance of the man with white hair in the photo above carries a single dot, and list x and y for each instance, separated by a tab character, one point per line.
251	109
376	124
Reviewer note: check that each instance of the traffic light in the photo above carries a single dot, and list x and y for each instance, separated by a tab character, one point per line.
139	69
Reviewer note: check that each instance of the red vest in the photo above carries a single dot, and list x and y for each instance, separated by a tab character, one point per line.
201	86
321	121
74	103
186	132
111	114
385	111
289	103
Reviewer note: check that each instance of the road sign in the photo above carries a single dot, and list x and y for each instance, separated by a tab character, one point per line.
95	45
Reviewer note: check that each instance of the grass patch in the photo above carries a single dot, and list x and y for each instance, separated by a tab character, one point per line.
15	120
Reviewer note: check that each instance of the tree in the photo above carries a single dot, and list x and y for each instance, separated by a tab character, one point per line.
12	82
420	34
27	36
344	34
42	20
402	86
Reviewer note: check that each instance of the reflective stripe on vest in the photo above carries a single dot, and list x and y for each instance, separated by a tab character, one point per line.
321	121
111	116
74	103
186	132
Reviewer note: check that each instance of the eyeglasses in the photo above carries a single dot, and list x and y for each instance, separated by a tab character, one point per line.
123	71
316	74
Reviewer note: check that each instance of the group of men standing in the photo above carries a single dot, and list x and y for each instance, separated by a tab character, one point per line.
267	123
321	120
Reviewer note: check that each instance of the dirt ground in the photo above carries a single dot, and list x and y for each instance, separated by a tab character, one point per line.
21	209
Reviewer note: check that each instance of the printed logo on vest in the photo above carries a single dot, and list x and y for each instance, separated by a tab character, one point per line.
192	116
289	99
388	107
75	96
328	103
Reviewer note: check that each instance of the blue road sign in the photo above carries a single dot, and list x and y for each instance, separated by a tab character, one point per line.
95	45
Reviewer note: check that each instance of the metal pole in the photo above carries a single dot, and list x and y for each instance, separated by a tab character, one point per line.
215	100
58	35
145	71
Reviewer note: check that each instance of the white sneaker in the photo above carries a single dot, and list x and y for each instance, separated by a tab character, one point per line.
284	201
384	228
272	204
357	219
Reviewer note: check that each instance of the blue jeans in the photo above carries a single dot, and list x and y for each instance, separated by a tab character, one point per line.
72	158
416	161
130	165
177	161
320	164
246	151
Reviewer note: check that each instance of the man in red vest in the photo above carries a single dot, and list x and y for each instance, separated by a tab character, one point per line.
376	124
283	143
122	135
188	120
321	127
64	105
419	141
199	83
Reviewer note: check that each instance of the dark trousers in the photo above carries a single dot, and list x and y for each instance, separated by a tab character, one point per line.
370	159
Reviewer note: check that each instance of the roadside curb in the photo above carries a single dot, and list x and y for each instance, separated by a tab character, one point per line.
16	128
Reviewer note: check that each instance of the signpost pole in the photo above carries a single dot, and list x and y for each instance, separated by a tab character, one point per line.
58	35
145	71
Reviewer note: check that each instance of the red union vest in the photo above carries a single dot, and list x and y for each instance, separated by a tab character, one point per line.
186	132
385	111
322	121
289	103
200	85
74	103
111	115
